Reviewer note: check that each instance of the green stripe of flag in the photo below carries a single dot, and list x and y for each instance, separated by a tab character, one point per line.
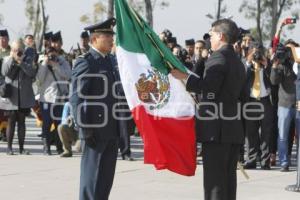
135	35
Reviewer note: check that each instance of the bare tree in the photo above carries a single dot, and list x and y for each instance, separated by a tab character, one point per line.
258	22
267	14
149	12
221	10
1	16
145	7
99	10
44	27
110	12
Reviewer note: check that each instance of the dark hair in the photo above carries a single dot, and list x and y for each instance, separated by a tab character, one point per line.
201	41
228	28
29	36
292	42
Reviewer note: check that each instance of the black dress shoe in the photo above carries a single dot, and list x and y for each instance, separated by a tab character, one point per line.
265	167
284	169
127	157
249	166
24	152
48	152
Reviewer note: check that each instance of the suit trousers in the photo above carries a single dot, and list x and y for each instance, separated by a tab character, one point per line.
126	130
260	142
219	166
98	165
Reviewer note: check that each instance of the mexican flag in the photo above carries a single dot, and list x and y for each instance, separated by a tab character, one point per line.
162	109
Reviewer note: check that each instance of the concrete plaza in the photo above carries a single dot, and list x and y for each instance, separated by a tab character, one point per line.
39	177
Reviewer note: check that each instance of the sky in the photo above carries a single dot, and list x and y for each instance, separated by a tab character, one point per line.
185	18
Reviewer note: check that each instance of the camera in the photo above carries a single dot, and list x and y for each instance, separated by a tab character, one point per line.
52	58
283	53
290	20
20	53
167	33
258	56
242	33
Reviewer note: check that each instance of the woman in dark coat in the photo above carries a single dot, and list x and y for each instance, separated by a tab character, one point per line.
19	72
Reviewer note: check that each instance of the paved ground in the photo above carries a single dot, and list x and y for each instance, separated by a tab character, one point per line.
38	177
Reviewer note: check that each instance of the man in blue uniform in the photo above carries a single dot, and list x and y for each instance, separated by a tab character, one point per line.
93	101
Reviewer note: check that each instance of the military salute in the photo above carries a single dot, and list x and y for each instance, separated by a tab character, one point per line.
92	101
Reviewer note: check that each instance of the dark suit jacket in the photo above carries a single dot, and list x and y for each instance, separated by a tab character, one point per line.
222	87
251	77
92	96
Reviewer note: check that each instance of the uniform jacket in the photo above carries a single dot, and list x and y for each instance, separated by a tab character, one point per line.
221	90
92	99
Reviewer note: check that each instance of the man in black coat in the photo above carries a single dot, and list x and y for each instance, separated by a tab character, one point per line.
92	102
258	93
218	125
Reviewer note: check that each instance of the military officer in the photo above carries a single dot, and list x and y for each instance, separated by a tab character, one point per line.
84	42
57	43
92	102
83	47
47	40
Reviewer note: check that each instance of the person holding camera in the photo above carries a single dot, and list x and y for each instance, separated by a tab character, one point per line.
282	74
19	98
53	78
259	95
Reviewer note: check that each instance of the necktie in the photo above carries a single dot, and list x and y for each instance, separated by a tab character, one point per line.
256	84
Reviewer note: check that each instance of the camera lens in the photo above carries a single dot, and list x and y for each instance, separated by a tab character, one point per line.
20	53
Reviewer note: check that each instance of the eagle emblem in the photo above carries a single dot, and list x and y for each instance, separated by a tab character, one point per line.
153	89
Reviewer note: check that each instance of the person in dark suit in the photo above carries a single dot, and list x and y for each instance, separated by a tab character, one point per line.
259	95
218	124
92	102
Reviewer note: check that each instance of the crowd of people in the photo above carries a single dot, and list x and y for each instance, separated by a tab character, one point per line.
37	84
271	74
33	76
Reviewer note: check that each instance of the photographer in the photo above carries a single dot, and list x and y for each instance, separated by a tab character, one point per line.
259	94
53	77
163	36
19	73
282	74
182	55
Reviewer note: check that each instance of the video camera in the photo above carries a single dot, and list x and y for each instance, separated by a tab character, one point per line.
290	20
258	53
167	33
242	33
283	53
50	53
